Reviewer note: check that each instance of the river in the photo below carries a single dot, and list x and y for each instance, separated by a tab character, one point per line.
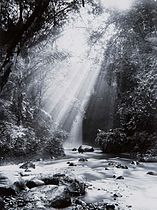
137	191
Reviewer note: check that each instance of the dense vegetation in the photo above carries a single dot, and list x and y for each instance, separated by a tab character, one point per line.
26	129
129	59
133	50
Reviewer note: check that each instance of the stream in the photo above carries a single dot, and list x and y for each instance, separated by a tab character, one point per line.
117	180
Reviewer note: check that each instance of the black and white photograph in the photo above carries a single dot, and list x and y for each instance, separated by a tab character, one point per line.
78	104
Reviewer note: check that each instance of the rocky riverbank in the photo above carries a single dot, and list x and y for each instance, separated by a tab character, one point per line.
88	180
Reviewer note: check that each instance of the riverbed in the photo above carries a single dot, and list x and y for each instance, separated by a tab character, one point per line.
116	180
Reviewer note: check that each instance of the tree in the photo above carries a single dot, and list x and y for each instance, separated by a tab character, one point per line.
24	23
133	54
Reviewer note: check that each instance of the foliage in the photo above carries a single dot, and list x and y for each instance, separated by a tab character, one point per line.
134	67
34	137
26	23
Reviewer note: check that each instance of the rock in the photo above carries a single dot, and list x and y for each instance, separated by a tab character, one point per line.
76	188
134	163
60	202
80	202
54	180
111	163
72	164
106	169
27	170
121	166
44	193
7	191
110	207
152	173
34	183
120	177
27	165
61	198
85	148
82	159
74	149
2	204
116	195
19	185
58	175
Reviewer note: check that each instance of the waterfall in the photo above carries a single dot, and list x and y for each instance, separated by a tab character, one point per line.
75	77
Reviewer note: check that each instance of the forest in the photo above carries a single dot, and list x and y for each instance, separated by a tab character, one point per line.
78	104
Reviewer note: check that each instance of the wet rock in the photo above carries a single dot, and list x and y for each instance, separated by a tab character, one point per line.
110	207
111	164
122	166
27	170
2	204
120	177
7	191
80	202
28	165
51	181
74	149
19	185
54	180
116	195
83	159
72	164
76	188
117	165
43	193
61	198
134	162
34	183
85	148
61	202
152	173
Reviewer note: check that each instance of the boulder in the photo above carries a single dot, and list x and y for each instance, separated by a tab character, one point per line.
7	191
110	207
76	188
85	148
61	201
34	183
60	198
74	149
54	180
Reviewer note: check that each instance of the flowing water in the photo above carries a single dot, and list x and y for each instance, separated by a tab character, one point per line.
137	191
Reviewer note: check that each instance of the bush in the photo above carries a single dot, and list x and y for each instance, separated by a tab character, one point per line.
116	141
113	141
35	135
